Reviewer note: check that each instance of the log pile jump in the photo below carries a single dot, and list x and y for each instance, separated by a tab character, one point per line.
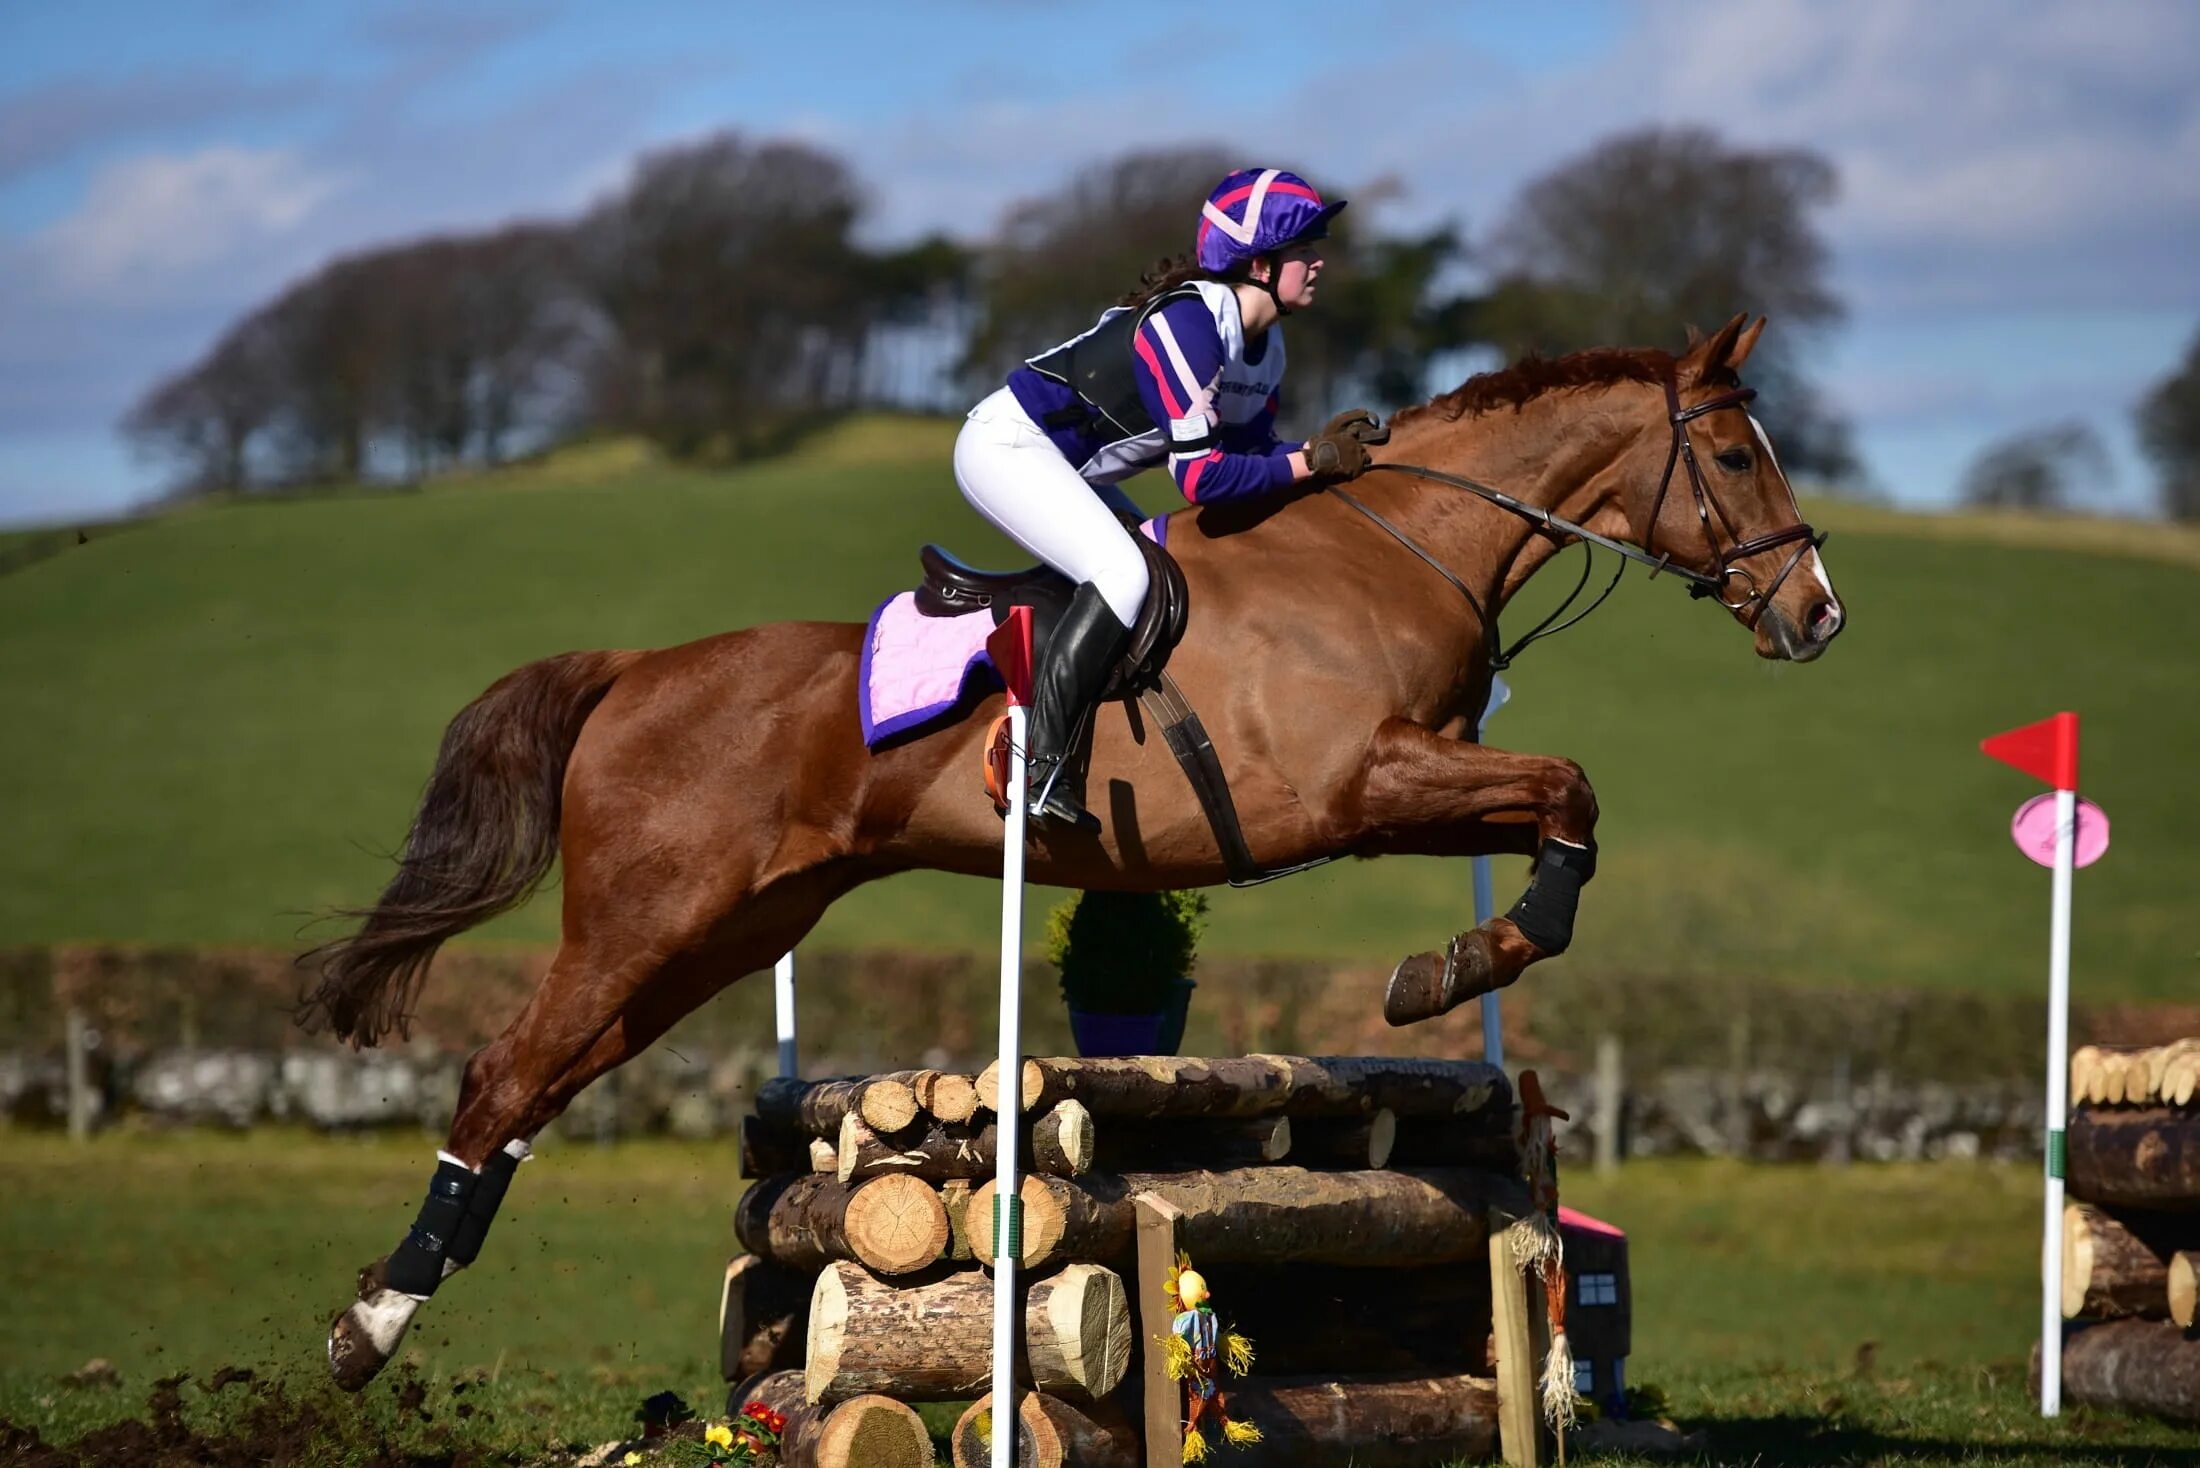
2131	1232
1350	1215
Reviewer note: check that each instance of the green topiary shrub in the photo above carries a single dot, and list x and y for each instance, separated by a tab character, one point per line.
1124	952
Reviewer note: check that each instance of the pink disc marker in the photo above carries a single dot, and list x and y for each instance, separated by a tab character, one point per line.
2033	829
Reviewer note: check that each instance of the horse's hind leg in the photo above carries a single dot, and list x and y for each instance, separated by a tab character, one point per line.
593	1011
1423	794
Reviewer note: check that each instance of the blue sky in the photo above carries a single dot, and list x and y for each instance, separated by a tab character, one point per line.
2018	237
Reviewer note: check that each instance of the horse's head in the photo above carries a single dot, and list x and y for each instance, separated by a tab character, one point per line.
1722	506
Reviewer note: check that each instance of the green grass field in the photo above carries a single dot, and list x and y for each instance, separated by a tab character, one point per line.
218	722
1795	1315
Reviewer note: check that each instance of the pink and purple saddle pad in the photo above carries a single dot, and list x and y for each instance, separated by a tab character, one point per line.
918	669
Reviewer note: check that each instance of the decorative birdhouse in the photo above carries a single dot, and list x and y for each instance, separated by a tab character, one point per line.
1599	1308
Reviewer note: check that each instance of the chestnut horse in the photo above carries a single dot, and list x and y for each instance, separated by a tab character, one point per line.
710	801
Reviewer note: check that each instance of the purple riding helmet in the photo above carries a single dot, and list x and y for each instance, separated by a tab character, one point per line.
1258	211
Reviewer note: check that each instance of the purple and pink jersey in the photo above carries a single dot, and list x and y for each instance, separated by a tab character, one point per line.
1211	411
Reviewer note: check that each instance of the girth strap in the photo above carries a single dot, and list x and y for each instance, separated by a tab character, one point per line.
1187	739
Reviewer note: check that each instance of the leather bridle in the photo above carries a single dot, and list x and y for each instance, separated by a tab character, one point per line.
1712	584
1799	534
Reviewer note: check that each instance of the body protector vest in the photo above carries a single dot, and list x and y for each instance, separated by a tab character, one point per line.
1103	365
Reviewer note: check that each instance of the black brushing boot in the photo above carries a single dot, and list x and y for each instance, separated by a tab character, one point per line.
1081	653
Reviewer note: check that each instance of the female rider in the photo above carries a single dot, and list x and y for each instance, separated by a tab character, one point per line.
1185	369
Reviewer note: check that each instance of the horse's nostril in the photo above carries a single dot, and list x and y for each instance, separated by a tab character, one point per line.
1825	620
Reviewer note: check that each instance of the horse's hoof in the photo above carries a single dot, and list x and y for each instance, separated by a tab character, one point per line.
1416	990
365	1333
1429	984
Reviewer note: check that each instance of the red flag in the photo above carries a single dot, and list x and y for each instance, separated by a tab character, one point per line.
1010	647
2046	751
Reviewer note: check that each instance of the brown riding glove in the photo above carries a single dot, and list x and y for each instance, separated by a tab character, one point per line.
1339	451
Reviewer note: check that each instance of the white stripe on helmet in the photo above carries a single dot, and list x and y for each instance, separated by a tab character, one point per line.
1243	233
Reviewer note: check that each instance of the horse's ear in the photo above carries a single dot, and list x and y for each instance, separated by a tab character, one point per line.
1713	352
1744	345
1694	335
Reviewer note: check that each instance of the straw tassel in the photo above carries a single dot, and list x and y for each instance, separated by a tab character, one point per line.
1538	1250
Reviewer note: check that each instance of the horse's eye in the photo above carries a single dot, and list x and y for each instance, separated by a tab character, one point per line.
1734	459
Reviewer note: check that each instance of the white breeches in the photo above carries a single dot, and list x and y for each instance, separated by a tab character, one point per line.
1012	474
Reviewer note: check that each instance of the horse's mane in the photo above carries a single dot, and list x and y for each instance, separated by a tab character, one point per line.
1532	376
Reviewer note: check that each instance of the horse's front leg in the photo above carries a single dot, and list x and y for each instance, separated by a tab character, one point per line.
1422	794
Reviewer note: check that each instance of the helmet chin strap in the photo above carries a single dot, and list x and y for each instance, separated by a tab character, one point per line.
1275	277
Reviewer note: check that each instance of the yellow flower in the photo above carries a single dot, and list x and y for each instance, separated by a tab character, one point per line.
633	1460
719	1436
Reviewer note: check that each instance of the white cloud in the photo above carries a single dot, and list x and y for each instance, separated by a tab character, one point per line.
152	221
1991	152
1988	150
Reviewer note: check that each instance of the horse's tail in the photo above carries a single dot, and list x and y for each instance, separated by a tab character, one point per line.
485	837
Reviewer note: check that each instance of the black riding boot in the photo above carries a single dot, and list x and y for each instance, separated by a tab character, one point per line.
1082	651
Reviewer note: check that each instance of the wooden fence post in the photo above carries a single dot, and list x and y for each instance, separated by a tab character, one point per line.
1158	1220
77	1044
1520	1335
1607	1104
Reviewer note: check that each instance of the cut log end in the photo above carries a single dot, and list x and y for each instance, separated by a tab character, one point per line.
873	1432
1382	1136
1086	1336
2184	1287
948	1096
988	1087
1046	1220
897	1224
889	1105
828	1331
2077	1260
1052	1434
1062	1140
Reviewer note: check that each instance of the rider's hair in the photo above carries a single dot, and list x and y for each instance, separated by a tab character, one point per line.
1168	273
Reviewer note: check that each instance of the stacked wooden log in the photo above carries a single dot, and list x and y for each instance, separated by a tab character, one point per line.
1342	1209
2131	1232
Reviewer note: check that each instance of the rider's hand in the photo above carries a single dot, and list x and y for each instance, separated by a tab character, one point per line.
1339	451
1358	424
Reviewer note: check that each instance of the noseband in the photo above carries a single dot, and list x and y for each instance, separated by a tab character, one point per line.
1713	584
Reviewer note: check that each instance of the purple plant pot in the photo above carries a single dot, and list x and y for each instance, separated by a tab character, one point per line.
1133	1034
1115	1034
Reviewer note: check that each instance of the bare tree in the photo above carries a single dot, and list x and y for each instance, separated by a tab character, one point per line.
481	338
207	418
532	333
445	349
332	334
2038	469
1647	233
2169	428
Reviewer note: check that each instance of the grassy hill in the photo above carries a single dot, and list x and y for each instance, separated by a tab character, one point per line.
217	723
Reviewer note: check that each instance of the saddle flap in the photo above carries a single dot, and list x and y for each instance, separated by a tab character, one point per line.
1161	621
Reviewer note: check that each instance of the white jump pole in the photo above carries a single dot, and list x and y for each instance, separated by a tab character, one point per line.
2058	1103
1011	648
2048	751
783	1006
1485	901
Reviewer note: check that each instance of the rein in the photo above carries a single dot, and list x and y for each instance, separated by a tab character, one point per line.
1700	584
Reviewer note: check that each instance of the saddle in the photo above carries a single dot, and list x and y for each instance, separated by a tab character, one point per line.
953	588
